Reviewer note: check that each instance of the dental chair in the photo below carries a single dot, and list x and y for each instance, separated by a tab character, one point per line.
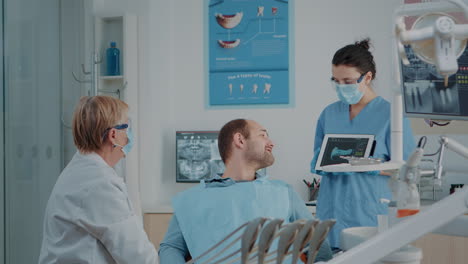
265	241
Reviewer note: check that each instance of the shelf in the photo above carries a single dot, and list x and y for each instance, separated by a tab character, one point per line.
122	30
113	77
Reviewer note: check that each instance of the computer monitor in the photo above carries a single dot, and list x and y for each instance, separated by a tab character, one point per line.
424	92
197	156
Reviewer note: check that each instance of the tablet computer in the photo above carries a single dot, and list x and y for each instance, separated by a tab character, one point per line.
336	145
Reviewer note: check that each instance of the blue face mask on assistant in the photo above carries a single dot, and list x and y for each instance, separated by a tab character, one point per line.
349	93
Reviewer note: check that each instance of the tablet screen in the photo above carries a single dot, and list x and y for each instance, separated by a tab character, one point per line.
336	145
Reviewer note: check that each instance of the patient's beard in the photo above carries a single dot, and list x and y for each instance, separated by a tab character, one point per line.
261	159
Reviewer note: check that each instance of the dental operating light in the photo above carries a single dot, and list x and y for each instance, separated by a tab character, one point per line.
436	38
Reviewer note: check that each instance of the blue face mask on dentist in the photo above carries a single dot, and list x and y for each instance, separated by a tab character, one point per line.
349	93
130	140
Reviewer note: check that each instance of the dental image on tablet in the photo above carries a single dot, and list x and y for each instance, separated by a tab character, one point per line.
336	145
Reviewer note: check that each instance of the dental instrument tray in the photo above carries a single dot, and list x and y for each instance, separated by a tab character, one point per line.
356	161
336	146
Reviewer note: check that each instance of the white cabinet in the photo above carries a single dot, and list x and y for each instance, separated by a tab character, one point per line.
124	31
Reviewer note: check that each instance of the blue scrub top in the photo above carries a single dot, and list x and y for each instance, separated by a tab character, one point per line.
353	198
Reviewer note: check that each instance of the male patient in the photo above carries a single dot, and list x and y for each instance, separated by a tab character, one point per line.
208	212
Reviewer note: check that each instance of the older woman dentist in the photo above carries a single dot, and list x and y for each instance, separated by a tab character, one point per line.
89	217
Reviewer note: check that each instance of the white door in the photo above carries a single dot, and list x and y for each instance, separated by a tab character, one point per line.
2	151
44	42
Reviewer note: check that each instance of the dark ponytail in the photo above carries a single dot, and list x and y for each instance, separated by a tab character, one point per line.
356	55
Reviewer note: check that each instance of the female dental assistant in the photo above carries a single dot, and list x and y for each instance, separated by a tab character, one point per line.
89	217
353	198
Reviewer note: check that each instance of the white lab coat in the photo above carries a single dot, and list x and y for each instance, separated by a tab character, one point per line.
89	218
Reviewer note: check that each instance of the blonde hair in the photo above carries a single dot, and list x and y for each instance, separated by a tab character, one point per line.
92	117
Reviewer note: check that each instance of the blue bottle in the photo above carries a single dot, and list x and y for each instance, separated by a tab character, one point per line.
113	60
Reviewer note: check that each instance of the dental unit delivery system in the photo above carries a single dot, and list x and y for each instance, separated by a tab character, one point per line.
414	226
261	234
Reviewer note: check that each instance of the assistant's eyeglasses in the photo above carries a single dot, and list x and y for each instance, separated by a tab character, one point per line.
358	80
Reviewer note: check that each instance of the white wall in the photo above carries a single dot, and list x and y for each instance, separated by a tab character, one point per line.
172	82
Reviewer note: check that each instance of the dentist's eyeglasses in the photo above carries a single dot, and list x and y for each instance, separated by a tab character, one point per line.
358	80
119	127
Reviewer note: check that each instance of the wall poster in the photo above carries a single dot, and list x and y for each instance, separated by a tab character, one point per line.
248	52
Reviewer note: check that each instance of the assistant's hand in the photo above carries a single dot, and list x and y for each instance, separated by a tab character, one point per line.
374	173
314	162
